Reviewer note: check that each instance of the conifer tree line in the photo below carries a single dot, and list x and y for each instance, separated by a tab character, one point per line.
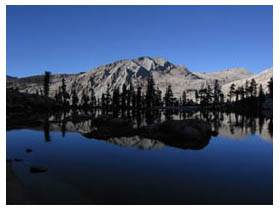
130	97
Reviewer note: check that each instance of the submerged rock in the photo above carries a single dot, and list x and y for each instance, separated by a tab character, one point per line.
18	159
28	150
194	129
38	169
185	134
108	121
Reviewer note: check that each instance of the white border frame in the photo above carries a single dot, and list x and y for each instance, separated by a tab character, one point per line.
276	67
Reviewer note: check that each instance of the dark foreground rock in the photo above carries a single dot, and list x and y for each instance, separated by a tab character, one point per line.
28	103
38	169
185	134
26	110
14	187
28	150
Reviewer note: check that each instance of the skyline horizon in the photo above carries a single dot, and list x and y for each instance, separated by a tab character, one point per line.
72	39
219	70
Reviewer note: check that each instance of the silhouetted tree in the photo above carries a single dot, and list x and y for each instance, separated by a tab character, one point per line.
196	96
231	92
270	87
84	99
158	97
92	98
169	96
47	83
184	99
133	100
261	94
123	96
150	95
247	89
63	94
237	94
116	98
103	101
209	95
47	129
242	92
253	88
222	98
203	96
75	99
108	97
138	98
217	92
130	94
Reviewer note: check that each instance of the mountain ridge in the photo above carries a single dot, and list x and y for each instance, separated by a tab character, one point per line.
135	71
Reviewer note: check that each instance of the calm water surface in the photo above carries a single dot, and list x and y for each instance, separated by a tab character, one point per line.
234	168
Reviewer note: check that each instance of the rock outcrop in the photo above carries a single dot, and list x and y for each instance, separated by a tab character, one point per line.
28	103
261	78
136	71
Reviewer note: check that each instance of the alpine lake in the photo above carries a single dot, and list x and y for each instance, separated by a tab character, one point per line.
77	166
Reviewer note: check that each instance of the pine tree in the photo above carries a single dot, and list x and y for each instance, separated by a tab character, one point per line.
92	98
222	98
203	96
138	98
247	89
169	96
237	93
108	97
158	97
123	96
47	83
116	98
196	96
133	100
184	99
103	101
270	87
209	94
261	94
217	92
84	99
150	95
242	92
231	92
253	88
64	94
130	94
75	99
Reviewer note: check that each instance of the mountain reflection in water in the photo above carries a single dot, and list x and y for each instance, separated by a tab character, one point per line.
230	125
232	164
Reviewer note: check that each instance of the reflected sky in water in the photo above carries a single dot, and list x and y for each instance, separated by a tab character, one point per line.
86	170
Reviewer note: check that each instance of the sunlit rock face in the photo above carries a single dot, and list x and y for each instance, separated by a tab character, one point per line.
261	78
135	72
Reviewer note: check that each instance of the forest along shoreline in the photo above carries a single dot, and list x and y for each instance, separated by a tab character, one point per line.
26	110
29	110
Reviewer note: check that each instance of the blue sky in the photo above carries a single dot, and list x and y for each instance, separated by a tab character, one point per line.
71	39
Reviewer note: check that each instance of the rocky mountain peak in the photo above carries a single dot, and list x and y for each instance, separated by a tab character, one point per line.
136	71
239	70
154	64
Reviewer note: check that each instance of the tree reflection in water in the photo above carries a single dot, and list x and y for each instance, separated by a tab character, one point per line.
233	125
